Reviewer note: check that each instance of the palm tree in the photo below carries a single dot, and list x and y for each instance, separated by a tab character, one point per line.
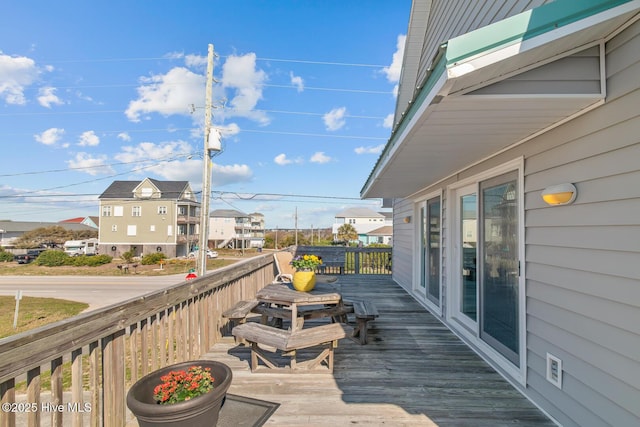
347	233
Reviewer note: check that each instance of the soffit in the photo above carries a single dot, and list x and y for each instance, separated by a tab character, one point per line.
449	128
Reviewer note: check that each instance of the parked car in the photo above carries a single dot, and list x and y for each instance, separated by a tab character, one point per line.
210	254
28	257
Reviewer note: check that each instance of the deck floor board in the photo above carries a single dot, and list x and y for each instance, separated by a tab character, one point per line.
413	372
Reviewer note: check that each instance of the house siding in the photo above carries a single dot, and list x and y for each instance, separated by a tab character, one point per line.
575	74
403	243
581	269
583	284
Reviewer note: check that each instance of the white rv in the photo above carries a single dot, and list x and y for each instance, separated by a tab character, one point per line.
81	247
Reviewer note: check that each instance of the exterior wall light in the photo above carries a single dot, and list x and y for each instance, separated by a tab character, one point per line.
407	219
561	194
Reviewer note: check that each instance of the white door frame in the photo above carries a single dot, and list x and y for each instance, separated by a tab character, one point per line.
461	324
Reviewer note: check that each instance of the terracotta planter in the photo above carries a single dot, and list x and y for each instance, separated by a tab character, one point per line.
304	281
199	411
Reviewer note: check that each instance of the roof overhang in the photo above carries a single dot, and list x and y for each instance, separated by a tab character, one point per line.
454	122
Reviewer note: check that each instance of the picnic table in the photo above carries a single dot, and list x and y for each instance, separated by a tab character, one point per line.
282	302
279	301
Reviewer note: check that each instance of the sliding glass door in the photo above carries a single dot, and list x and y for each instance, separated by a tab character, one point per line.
500	268
430	256
487	254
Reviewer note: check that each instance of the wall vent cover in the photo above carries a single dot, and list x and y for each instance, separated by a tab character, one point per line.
554	370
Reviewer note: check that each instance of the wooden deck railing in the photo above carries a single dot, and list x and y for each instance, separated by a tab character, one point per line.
98	355
350	260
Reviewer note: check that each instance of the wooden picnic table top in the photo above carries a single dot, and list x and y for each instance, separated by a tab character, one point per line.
283	294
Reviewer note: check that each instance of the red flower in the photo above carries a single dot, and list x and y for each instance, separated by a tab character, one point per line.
178	386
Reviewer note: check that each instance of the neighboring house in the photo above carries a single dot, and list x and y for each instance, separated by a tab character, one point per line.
91	221
257	232
381	235
363	220
498	104
148	216
229	228
11	230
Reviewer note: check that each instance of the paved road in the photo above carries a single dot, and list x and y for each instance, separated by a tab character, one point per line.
97	291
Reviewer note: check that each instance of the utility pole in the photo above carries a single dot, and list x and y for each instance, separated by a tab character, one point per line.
203	241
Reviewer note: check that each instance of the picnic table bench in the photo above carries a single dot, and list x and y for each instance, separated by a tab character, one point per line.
288	342
364	312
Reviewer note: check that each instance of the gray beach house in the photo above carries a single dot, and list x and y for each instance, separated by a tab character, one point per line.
514	166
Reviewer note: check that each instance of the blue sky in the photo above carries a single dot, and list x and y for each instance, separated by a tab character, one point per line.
92	92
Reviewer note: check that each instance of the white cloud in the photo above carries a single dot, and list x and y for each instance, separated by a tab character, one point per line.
334	119
124	136
50	136
297	81
149	153
281	159
191	170
377	149
195	61
388	121
47	97
239	74
230	174
393	71
89	164
16	74
89	139
174	55
229	129
320	157
167	94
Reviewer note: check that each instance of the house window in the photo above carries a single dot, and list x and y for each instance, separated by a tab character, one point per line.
136	210
114	227
162	210
152	228
430	249
169	230
106	211
131	230
146	192
118	211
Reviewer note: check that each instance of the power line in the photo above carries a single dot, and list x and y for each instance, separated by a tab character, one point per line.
174	58
89	167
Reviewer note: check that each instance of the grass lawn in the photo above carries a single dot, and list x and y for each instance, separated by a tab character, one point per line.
35	312
172	266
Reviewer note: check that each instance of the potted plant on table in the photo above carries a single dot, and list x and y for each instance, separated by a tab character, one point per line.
185	394
304	279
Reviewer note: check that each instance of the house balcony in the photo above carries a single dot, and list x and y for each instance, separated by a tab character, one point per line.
186	238
187	219
415	371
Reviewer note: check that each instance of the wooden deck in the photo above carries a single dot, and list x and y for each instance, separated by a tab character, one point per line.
413	372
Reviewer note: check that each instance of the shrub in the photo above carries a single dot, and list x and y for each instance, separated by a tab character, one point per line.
154	258
128	256
90	261
52	259
5	256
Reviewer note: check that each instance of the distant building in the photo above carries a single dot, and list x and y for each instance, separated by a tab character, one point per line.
91	221
148	216
364	220
234	229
